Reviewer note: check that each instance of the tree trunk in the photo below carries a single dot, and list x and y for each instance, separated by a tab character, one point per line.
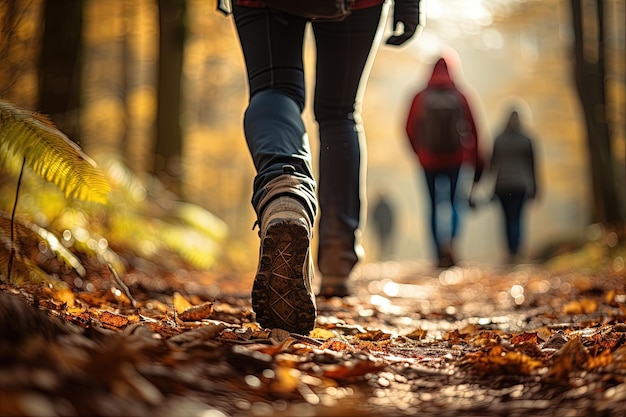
60	65
168	146
589	75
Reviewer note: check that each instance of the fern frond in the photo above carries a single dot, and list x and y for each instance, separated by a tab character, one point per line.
54	157
23	270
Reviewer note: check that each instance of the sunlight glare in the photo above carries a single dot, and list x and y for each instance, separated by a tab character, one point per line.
393	289
81	234
451	276
475	11
492	39
380	301
253	381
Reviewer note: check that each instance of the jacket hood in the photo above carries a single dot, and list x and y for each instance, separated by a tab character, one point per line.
440	76
513	124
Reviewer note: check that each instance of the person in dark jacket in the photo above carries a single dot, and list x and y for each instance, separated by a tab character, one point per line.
284	190
441	169
513	164
384	222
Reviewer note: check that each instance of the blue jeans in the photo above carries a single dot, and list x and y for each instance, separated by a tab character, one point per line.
442	186
272	47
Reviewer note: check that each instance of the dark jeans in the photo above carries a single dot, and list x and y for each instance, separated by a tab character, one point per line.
512	205
442	189
272	47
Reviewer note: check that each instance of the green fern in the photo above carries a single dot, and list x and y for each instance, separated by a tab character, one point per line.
29	136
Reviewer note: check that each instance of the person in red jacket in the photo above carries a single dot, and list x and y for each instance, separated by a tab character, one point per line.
285	191
442	151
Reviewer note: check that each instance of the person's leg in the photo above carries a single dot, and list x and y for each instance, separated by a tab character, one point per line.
284	188
453	177
511	208
343	49
431	186
515	222
506	214
449	257
274	130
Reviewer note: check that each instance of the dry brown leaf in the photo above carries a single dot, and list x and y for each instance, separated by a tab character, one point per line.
201	333
486	338
610	298
75	311
319	333
454	337
499	361
337	345
373	335
571	357
526	337
417	334
603	359
109	319
197	313
229	335
254	326
94	299
584	306
65	296
180	303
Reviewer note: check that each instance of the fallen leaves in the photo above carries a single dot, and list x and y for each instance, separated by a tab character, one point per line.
136	357
499	361
571	357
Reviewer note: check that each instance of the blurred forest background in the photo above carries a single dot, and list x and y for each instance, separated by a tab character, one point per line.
154	91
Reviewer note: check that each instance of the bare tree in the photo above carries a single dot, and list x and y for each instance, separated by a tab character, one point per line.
19	47
60	65
590	76
168	146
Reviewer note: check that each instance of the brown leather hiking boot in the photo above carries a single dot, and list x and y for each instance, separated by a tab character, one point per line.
281	293
335	286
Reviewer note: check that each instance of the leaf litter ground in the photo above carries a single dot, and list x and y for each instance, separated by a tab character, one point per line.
474	340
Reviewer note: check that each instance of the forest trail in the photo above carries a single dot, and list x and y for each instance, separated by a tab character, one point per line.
474	340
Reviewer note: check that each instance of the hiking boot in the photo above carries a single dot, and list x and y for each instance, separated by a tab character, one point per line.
334	286
281	293
446	257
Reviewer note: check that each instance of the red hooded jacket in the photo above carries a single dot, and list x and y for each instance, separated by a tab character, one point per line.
441	78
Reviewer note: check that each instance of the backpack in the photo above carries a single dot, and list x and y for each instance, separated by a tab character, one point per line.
441	133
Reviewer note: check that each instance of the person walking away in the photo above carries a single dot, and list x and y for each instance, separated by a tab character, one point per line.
513	164
442	133
384	224
284	189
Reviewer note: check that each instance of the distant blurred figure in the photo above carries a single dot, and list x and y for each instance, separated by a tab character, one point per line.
442	133
513	164
384	224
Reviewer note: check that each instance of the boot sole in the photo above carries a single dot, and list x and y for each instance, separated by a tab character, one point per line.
280	297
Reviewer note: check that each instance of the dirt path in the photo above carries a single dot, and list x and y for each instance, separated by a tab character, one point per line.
469	341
